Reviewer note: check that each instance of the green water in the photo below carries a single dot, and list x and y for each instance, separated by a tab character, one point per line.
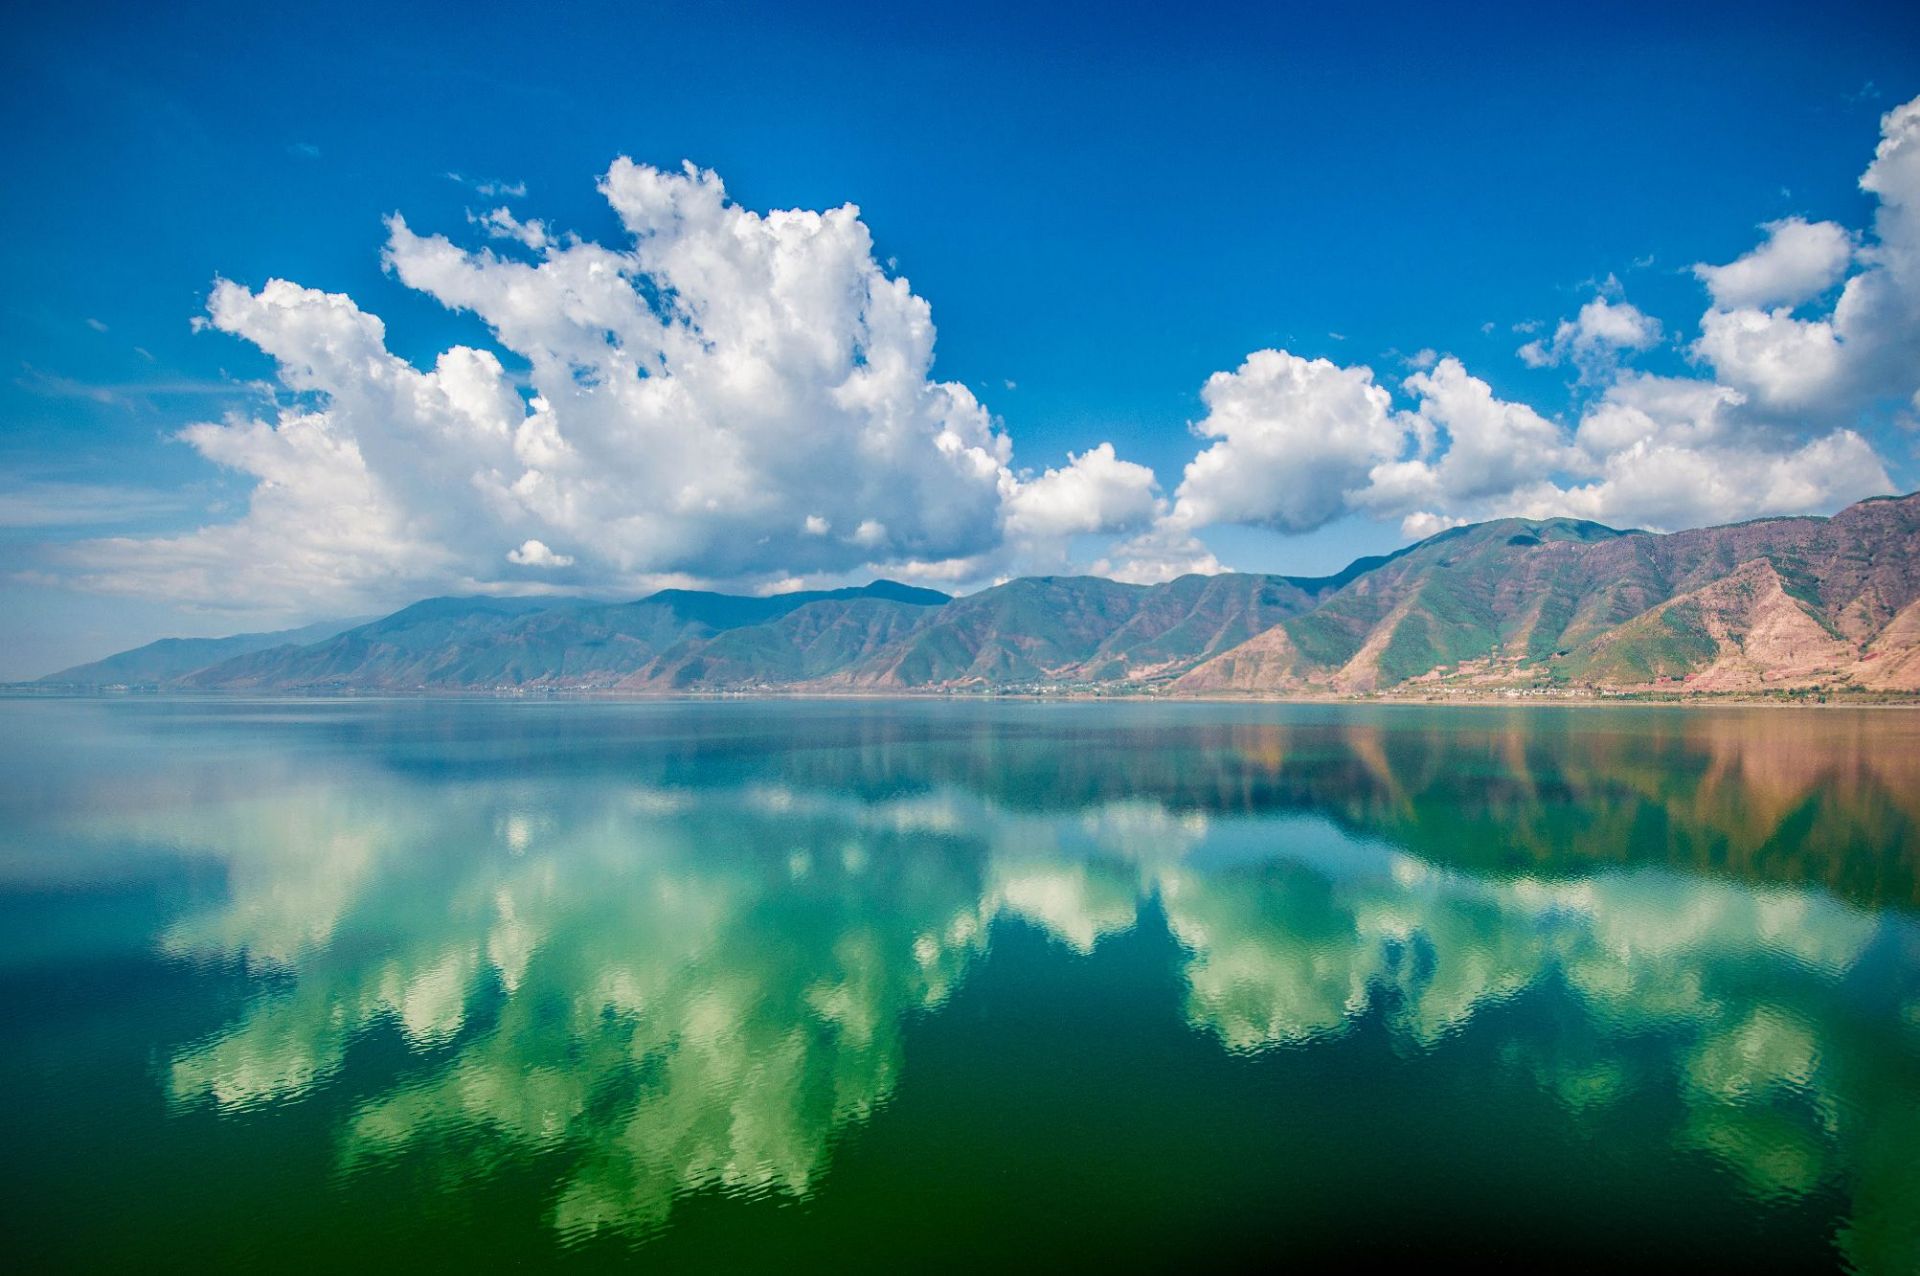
923	985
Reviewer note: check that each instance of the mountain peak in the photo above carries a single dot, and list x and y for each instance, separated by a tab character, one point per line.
894	591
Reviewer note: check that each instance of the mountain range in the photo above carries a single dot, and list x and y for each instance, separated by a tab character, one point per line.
1514	606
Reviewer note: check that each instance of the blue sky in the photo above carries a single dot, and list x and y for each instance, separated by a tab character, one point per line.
1102	207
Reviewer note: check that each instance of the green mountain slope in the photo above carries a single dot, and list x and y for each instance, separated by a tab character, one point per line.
1078	630
817	641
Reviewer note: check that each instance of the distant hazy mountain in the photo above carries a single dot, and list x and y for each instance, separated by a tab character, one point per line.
1509	605
483	643
170	659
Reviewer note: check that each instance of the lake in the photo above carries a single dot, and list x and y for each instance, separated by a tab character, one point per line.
912	984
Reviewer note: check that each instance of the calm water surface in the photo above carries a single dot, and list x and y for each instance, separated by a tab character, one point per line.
1101	986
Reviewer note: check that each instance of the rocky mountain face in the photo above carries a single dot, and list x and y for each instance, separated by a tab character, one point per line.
1777	603
1786	603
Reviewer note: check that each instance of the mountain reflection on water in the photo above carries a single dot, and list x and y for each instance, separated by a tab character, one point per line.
678	949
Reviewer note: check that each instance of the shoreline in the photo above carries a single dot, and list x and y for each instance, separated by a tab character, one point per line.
1703	700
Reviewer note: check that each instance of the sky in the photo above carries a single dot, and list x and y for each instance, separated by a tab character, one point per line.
318	310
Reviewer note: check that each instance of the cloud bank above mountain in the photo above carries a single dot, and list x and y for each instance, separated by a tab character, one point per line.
744	398
1771	428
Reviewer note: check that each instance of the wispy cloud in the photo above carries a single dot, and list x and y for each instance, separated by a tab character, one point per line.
490	189
53	385
59	504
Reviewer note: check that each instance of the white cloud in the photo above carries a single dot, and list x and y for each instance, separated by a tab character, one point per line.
1667	487
1777	360
1095	492
1659	452
536	554
490	189
52	503
1799	260
1491	445
318	532
713	402
1594	337
1296	436
1656	452
1163	552
1422	524
1866	350
500	223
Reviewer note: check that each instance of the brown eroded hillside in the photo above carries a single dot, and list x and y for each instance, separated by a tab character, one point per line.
1778	603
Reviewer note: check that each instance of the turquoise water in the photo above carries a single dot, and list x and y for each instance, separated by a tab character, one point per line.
933	984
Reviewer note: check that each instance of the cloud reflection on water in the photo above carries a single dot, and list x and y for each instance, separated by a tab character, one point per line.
686	979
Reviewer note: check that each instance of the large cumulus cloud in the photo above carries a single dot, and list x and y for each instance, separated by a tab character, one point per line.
1659	452
1864	349
732	396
